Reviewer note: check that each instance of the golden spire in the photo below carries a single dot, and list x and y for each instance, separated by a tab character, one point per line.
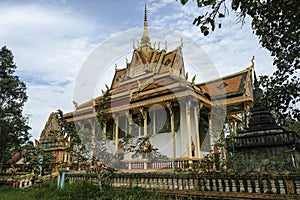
145	41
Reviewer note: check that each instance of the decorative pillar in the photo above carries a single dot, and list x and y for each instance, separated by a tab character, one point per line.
210	130
169	105
116	118
145	123
144	114
197	117
154	121
104	131
129	118
234	127
230	126
65	157
188	123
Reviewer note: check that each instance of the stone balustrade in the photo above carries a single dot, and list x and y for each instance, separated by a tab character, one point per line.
134	164
157	165
209	185
23	180
17	180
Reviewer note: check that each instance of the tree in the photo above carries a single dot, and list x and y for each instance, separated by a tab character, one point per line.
31	158
276	23
13	127
68	130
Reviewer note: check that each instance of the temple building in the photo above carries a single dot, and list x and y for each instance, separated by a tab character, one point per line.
53	145
152	98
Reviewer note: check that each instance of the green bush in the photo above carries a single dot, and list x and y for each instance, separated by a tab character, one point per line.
131	194
80	190
76	191
45	192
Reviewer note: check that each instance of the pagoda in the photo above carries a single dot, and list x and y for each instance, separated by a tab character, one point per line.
265	146
152	98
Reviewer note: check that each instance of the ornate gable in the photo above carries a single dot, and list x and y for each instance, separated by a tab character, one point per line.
51	130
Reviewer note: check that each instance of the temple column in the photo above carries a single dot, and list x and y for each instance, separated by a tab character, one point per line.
104	131
197	117
188	123
154	121
144	114
169	105
116	118
129	118
230	126
234	127
210	130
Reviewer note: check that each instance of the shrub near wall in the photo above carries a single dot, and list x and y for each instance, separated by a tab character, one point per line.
47	191
79	190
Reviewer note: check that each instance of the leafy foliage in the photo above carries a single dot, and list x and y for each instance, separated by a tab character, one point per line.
31	158
276	23
78	190
103	107
46	163
293	125
13	127
68	129
281	97
141	147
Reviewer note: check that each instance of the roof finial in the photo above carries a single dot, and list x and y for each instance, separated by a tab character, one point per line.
252	62
257	92
145	14
145	41
256	85
181	42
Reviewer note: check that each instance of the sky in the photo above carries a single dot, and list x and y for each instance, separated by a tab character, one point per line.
52	41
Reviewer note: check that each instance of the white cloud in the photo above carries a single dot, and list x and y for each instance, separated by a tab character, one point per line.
49	46
230	48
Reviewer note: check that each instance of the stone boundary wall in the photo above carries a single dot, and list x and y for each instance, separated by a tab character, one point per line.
248	186
24	180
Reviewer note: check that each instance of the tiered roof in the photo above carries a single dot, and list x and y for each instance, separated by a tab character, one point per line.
154	73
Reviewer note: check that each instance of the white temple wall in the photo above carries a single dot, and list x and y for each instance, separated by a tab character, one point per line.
183	134
163	142
193	129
